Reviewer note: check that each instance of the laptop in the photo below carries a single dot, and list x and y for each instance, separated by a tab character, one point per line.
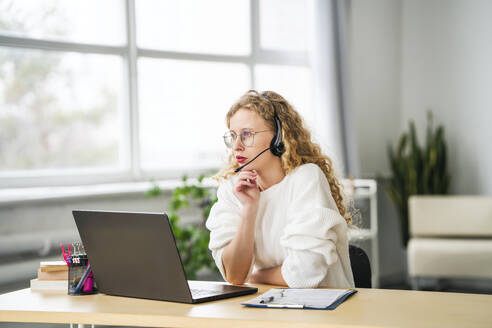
135	255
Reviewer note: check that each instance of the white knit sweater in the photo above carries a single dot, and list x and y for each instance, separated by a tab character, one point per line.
297	226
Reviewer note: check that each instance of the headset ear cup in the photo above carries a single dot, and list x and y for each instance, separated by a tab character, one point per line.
276	145
278	150
281	149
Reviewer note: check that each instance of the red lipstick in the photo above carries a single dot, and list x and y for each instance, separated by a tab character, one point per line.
241	159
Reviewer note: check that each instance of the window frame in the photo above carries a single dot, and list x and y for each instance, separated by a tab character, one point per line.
130	144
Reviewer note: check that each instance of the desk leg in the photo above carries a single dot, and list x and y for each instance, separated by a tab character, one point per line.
79	325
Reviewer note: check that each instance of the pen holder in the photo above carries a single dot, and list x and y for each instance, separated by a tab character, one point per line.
80	277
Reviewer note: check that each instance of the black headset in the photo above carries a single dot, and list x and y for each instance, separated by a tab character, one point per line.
277	147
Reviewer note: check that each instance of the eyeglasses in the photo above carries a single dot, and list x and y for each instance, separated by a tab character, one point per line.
247	137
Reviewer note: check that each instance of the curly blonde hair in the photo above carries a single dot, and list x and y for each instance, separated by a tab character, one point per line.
299	149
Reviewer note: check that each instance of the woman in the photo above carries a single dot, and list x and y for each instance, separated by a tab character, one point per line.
283	212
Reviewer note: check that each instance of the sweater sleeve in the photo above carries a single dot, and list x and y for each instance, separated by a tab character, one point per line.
313	230
223	222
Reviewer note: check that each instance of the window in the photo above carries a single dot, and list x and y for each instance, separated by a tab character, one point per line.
131	90
182	113
210	27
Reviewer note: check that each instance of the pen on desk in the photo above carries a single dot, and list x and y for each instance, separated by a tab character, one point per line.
271	298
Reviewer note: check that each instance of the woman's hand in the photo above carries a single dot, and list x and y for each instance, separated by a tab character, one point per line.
246	189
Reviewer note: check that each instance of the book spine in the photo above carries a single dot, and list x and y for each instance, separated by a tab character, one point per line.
53	268
39	285
53	275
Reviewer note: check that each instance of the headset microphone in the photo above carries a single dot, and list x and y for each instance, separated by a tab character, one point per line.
241	167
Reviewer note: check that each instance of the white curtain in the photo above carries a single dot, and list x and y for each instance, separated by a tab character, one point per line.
327	56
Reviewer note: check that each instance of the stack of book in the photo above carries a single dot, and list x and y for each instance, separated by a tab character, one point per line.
52	275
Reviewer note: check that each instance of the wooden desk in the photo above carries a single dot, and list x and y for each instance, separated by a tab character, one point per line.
366	308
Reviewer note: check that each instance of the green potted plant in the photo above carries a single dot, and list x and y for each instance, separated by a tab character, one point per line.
417	170
192	240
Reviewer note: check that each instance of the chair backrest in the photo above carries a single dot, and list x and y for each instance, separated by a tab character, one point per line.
450	216
361	267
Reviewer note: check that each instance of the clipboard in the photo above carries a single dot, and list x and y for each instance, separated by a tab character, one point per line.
301	298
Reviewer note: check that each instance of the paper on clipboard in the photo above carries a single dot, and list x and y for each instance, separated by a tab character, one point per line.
307	298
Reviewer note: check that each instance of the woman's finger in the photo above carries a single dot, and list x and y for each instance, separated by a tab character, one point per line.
246	178
246	184
251	180
243	174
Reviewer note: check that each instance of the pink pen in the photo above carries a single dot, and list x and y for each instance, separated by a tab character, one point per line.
88	283
64	254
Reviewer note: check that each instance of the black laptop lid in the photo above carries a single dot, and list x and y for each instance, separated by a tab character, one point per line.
133	254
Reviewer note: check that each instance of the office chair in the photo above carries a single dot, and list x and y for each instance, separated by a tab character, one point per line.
361	267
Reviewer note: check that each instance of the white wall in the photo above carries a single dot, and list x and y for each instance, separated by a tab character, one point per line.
374	81
407	56
447	67
374	34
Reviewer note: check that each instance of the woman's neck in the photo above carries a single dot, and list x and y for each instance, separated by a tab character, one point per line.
270	176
